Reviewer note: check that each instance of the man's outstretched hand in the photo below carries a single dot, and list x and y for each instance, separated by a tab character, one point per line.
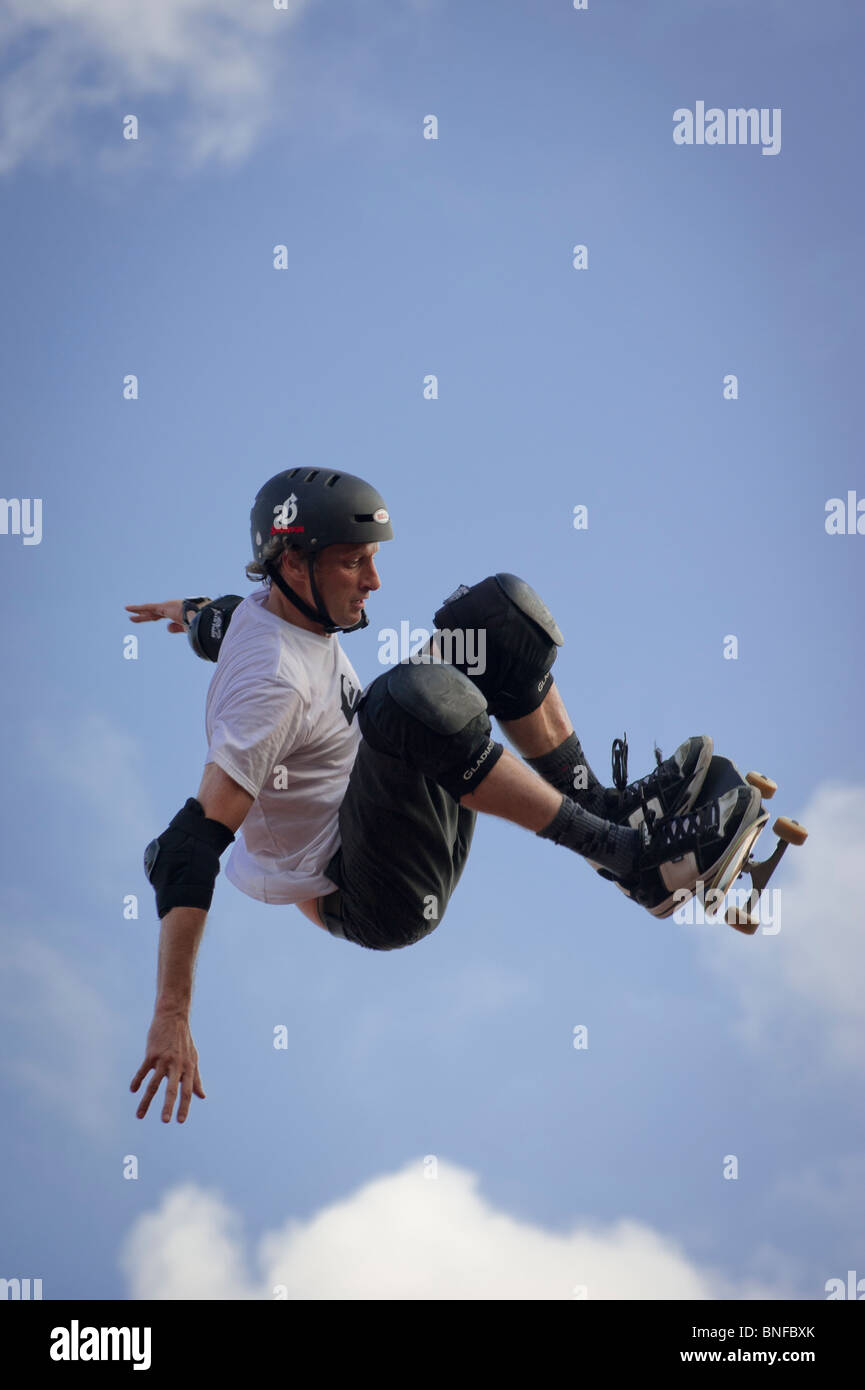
172	609
172	1057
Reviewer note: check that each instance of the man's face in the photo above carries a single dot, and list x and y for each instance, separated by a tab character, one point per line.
345	575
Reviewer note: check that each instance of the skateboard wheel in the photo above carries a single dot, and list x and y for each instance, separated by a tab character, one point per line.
765	786
790	830
742	921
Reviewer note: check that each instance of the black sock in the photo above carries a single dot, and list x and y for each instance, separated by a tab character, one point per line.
615	847
560	767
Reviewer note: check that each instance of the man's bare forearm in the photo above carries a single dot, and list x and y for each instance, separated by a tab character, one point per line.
180	936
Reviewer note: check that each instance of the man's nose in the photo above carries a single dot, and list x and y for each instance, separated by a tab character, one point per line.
372	578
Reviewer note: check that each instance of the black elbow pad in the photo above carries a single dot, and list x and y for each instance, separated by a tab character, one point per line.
210	624
182	863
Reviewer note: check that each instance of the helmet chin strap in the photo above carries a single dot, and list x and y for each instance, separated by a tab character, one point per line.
319	614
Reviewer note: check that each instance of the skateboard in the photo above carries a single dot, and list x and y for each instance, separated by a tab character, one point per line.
738	859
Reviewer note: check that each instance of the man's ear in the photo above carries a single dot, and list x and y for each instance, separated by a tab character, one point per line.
292	565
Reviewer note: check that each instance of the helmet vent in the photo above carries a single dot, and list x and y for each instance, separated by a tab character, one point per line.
334	478
311	475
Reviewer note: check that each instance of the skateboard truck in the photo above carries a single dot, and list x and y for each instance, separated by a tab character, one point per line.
739	861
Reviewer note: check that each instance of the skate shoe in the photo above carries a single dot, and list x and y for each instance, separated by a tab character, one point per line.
683	850
671	788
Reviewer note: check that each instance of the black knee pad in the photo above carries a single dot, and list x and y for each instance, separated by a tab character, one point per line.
520	642
434	719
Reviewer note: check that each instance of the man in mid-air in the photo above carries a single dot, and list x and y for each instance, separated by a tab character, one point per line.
364	823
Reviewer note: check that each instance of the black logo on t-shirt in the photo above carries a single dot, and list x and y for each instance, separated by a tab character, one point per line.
349	696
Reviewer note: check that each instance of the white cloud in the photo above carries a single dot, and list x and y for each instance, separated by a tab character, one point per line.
405	1236
189	1248
800	992
64	57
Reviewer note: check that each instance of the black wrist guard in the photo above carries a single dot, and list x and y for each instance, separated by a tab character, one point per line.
191	607
210	624
182	863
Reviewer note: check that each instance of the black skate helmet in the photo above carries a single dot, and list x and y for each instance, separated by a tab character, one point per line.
317	507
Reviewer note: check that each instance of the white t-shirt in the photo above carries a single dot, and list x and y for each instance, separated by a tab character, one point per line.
280	720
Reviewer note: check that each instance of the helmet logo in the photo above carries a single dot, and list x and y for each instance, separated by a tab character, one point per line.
381	515
284	513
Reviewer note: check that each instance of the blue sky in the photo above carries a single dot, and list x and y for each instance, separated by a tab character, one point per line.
557	1169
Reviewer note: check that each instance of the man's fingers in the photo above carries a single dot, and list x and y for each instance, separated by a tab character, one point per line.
187	1085
190	1085
149	1094
144	612
139	1076
176	1071
153	612
170	1097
